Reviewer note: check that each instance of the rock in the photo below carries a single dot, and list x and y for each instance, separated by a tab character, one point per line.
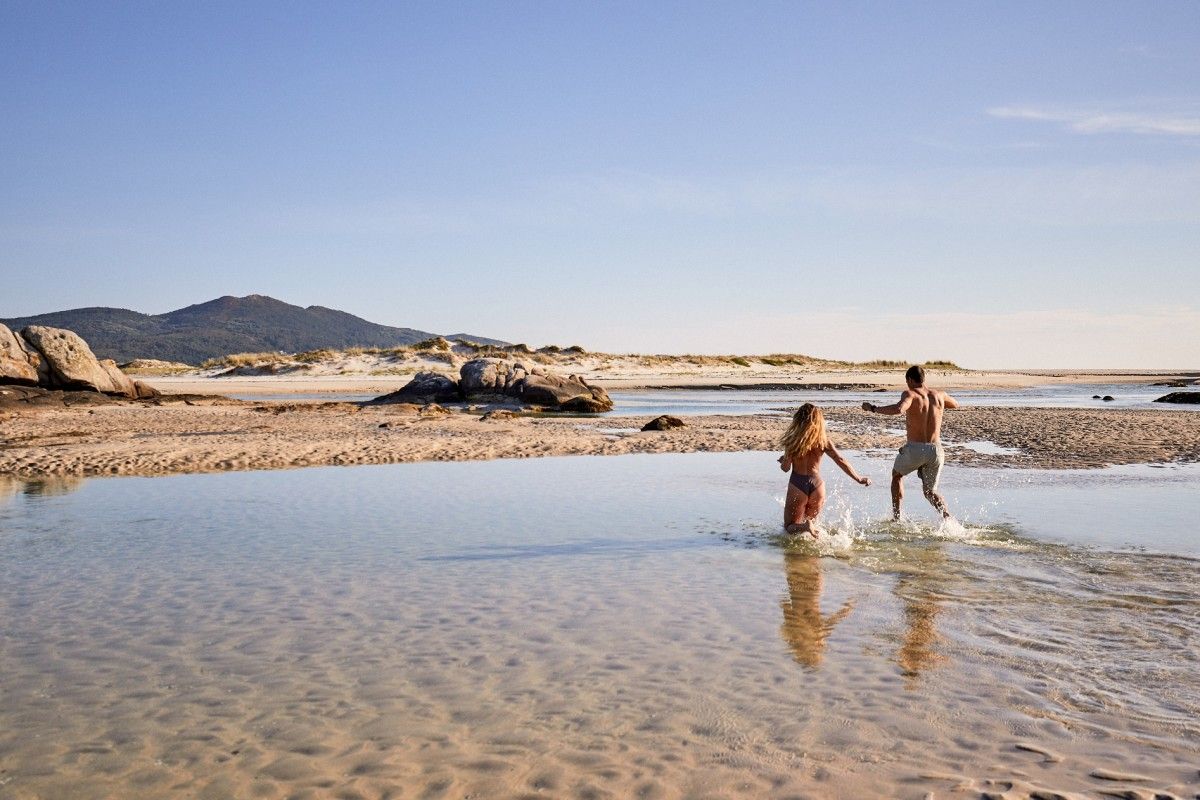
71	363
19	397
425	387
498	414
664	423
1095	397
587	405
1180	397
433	409
122	385
496	377
555	390
18	362
1108	398
145	391
487	376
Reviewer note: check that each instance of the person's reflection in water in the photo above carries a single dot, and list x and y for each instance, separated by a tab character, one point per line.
918	588
804	628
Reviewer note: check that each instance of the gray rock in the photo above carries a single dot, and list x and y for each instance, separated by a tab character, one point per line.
496	377
484	377
425	387
587	405
122	384
71	363
1191	398
145	391
664	423
18	361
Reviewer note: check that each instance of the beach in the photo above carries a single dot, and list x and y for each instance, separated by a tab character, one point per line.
467	601
207	431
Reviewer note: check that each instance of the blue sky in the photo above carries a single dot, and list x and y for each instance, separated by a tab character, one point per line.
1003	184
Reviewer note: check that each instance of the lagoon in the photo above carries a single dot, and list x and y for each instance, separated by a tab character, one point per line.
596	627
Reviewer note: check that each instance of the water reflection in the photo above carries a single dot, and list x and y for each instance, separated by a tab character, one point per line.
919	588
805	628
54	486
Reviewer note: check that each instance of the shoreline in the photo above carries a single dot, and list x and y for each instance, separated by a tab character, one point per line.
622	377
217	434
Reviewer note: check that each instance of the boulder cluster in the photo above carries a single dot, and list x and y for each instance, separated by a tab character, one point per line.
500	379
54	358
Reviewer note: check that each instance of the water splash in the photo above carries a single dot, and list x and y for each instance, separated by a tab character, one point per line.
845	529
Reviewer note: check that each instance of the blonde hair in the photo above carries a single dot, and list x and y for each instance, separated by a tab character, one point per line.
806	433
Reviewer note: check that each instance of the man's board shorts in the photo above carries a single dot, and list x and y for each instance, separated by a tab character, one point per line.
926	458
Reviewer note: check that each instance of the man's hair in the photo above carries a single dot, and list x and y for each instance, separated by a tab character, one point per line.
916	375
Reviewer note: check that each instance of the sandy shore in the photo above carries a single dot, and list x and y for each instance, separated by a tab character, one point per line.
135	439
625	375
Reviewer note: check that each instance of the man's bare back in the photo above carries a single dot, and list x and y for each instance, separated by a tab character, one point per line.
922	408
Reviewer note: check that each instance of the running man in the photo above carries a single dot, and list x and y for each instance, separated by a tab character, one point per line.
922	408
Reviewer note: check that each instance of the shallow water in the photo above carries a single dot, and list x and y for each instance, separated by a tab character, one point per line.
631	626
688	402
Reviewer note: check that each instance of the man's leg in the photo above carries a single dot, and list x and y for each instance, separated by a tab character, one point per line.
937	502
929	474
897	494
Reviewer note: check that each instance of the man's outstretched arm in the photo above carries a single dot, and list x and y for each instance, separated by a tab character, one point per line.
949	401
895	409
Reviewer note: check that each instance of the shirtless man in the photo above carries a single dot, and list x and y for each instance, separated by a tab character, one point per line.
922	408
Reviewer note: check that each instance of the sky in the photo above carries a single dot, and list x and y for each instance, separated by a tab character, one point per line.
1001	184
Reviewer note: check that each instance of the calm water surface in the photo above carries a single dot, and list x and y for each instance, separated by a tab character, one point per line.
690	402
752	401
589	627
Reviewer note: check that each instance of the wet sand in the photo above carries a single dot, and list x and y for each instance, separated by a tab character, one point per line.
133	439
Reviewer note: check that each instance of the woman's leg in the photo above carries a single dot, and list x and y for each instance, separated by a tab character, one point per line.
812	509
795	510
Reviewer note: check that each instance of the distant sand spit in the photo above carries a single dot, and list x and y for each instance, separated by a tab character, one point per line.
360	375
140	440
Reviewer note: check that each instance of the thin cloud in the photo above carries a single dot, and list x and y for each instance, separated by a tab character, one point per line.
1105	121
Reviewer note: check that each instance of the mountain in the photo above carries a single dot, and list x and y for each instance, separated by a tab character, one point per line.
219	327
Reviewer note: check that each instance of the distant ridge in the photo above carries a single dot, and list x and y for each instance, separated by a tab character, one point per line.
255	323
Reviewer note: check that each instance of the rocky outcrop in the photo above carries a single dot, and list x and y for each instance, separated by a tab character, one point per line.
664	423
495	377
1190	398
489	377
72	363
145	391
425	387
55	358
122	384
500	379
18	363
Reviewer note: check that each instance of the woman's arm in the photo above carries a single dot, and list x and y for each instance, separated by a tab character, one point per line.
832	452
